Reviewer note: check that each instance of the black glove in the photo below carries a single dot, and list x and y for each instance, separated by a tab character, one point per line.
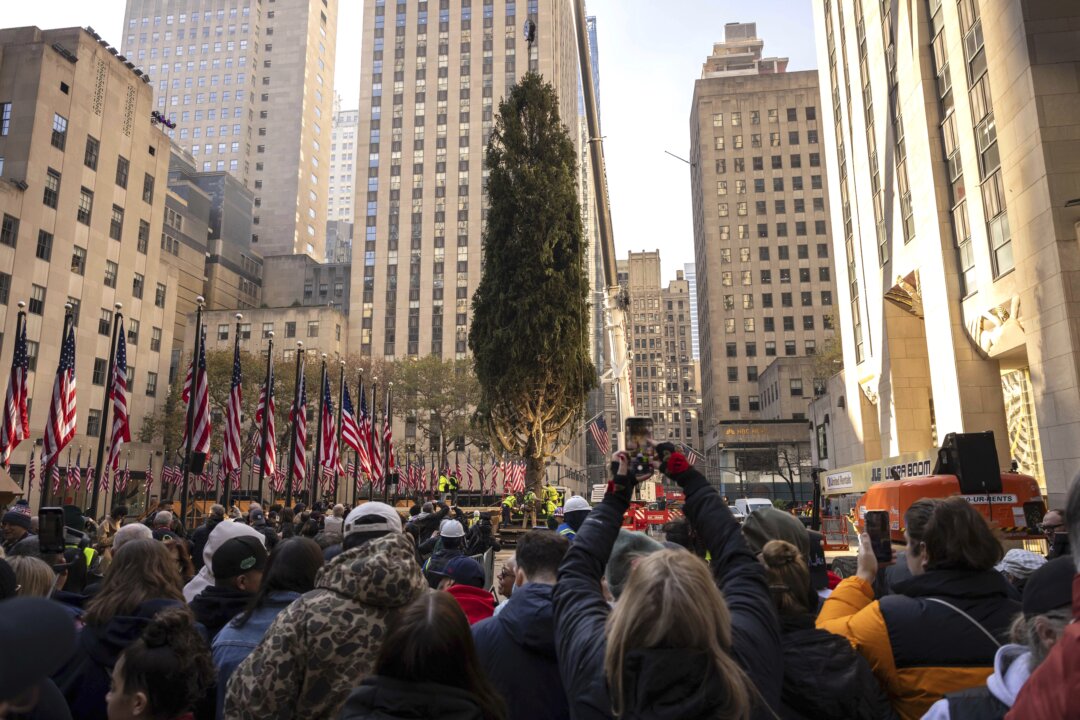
622	482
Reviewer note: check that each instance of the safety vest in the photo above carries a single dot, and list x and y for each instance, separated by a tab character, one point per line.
530	499
551	494
510	501
444	484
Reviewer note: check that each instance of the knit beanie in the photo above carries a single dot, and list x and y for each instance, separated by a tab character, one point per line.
18	515
768	523
629	545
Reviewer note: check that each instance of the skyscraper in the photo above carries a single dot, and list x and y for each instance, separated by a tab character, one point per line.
430	85
690	271
761	231
954	178
344	163
250	88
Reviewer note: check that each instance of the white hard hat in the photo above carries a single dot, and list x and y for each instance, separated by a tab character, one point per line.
576	503
373	517
452	529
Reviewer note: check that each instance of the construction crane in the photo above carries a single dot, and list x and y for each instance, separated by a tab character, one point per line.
616	298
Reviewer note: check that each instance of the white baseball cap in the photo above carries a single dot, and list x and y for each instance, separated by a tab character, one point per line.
452	529
373	517
576	503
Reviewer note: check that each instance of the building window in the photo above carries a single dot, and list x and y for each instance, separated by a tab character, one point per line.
5	118
110	274
733	403
268	327
44	245
148	188
137	286
52	188
155	339
313	328
122	171
90	158
93	423
133	331
290	329
59	131
104	326
151	384
9	231
159	296
795	385
37	300
100	368
144	237
5	287
245	331
753	403
223	332
86	206
822	442
732	349
770	348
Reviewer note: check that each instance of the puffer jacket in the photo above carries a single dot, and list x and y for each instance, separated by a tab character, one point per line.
383	698
918	648
517	651
1051	691
825	679
664	682
325	643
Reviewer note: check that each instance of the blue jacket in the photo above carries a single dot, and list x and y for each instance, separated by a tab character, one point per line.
233	644
566	531
517	651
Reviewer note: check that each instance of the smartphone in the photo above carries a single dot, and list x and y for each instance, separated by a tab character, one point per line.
638	435
877	527
51	530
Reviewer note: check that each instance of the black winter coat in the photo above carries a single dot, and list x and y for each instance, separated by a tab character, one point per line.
215	606
198	540
665	683
382	698
85	678
825	679
517	651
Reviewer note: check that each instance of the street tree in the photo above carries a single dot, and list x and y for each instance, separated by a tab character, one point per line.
529	335
439	396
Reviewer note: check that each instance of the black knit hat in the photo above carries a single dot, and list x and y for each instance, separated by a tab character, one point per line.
18	515
1049	587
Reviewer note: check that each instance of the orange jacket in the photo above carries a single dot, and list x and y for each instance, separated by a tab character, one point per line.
918	649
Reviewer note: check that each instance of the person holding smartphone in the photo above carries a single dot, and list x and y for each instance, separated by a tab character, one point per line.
709	656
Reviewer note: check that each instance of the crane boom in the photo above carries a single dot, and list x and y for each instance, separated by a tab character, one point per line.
616	300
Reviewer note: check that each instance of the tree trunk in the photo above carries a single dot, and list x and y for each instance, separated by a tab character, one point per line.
534	474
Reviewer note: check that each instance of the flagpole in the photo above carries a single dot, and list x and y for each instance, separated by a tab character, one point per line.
105	404
292	434
356	454
266	414
371	442
190	422
46	470
340	409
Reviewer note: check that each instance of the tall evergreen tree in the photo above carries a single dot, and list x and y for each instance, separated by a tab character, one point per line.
529	335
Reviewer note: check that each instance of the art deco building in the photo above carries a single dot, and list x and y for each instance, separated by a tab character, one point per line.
761	225
249	85
949	128
83	199
344	164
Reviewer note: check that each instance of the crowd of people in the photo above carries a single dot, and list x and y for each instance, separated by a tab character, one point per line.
365	613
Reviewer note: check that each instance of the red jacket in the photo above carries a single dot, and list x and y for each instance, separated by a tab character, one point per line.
1052	690
477	603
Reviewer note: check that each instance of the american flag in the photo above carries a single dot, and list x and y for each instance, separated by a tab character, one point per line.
298	418
62	418
121	430
268	448
516	478
598	429
126	477
329	458
388	435
201	420
15	423
230	454
74	478
364	426
350	430
30	473
692	455
56	477
469	471
375	449
88	473
149	474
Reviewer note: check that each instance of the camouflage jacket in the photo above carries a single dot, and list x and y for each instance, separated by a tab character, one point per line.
321	646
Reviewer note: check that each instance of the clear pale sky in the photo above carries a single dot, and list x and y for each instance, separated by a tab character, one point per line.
650	54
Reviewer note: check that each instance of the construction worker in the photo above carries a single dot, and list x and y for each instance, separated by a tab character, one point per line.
529	509
508	504
551	499
575	511
444	486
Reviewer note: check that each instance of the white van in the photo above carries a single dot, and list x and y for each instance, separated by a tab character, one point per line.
745	506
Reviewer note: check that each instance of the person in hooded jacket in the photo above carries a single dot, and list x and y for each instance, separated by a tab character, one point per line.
218	536
824	678
202	534
463	579
673	647
290	572
427	522
1047	612
257	518
141	582
238	570
327	641
517	647
481	536
427	668
941	628
447	545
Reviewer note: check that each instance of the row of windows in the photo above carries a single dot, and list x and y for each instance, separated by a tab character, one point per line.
783	252
720	142
740	188
766	276
268	327
731	349
806	300
768	324
735	119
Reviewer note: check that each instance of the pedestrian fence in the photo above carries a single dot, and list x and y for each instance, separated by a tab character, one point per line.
487	561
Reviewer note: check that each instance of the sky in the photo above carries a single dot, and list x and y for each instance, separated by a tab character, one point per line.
650	54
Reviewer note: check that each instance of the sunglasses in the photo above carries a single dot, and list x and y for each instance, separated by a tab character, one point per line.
1050	528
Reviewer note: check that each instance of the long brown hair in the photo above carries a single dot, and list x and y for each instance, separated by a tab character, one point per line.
956	536
141	570
430	641
788	577
671	601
